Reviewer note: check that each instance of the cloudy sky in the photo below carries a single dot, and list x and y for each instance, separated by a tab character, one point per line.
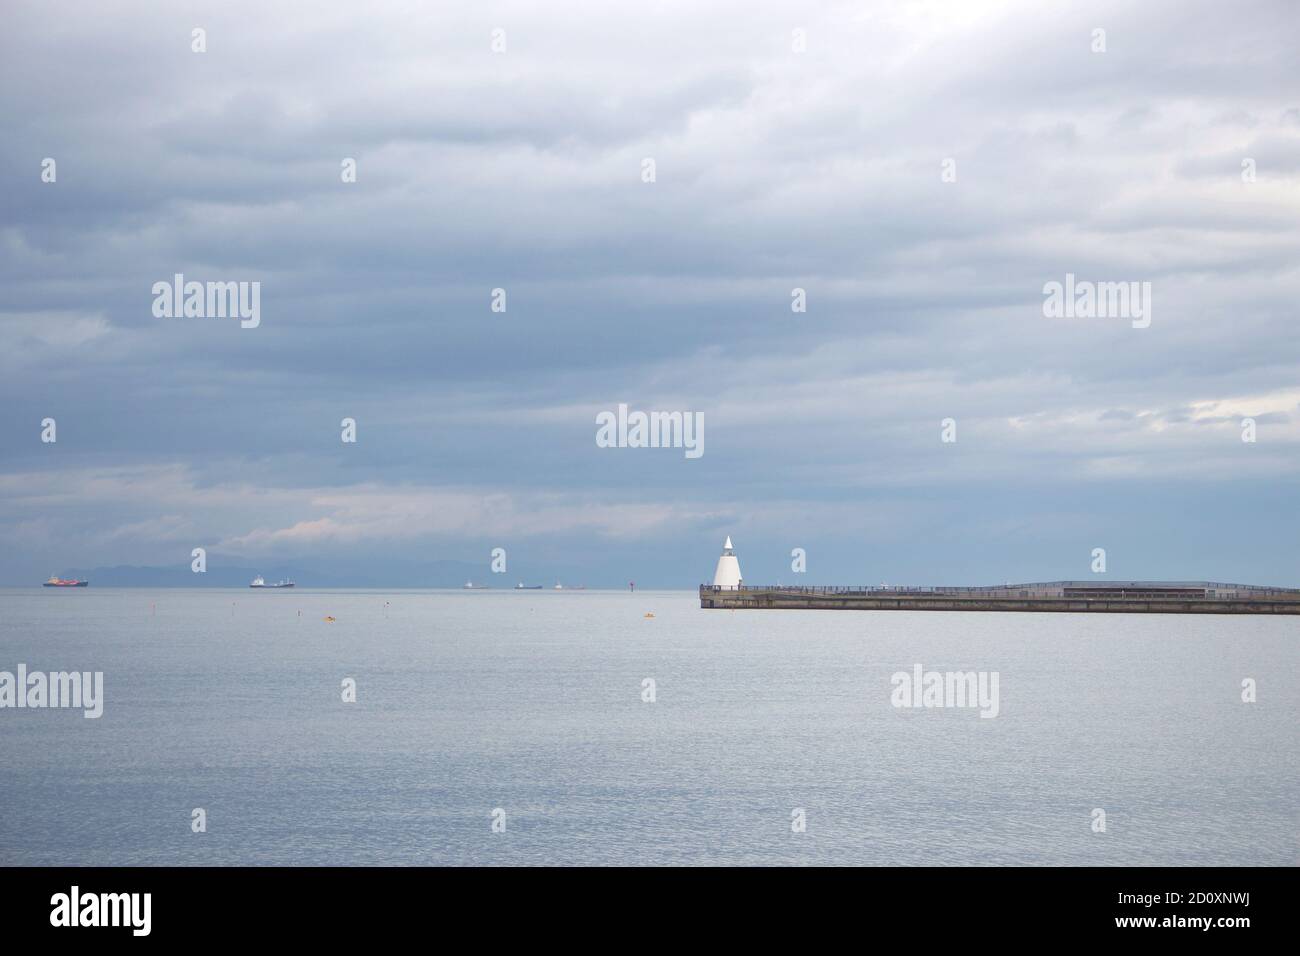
774	169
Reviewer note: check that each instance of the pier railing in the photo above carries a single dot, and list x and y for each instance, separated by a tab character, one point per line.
872	589
1056	589
862	589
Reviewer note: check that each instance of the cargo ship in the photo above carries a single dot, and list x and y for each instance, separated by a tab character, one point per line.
471	586
57	582
527	587
257	582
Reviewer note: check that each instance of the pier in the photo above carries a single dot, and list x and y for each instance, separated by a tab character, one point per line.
1123	597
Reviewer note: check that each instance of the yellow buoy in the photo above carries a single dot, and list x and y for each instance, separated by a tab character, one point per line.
648	614
329	619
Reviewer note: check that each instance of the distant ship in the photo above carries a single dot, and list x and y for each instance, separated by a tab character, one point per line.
571	587
471	586
527	587
257	582
57	582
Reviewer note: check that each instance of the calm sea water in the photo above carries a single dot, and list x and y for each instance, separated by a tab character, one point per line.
532	703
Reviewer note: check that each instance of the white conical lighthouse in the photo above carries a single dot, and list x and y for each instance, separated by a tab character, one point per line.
727	576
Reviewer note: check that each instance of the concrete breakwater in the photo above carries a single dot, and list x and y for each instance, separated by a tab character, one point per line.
1126	597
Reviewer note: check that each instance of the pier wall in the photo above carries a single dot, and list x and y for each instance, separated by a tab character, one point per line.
760	598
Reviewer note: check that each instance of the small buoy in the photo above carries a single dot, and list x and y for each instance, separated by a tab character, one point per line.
329	619
648	614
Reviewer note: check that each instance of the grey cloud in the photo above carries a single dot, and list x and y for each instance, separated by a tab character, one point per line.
522	171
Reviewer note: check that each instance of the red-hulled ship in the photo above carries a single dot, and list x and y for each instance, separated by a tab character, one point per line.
57	582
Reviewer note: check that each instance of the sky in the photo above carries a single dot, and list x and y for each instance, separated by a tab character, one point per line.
920	170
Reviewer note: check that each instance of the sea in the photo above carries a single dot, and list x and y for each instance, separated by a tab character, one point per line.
505	727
